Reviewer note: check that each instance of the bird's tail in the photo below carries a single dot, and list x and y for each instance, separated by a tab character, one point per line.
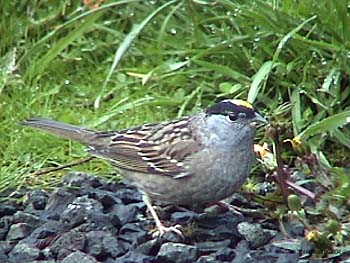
68	131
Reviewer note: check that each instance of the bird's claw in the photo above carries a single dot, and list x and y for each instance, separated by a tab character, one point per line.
160	230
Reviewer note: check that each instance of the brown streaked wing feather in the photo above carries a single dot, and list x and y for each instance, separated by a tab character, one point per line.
145	149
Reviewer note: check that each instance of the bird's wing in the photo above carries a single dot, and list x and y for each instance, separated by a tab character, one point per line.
152	148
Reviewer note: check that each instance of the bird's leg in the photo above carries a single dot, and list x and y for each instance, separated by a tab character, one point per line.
160	228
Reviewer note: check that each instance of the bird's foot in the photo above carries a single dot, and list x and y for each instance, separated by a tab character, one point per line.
161	229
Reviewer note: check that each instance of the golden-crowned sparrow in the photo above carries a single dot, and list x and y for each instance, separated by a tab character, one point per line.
195	159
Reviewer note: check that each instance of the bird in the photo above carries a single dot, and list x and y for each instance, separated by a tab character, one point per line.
192	160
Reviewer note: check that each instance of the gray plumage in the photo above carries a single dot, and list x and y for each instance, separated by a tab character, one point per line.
192	160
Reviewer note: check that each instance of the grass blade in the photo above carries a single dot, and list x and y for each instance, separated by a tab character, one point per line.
124	46
326	125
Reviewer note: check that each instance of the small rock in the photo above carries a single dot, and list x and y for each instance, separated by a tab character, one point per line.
208	247
225	254
67	243
112	246
23	217
125	213
81	180
80	210
7	210
171	236
288	258
217	227
5	247
3	255
94	245
294	228
242	251
3	233
150	247
38	199
255	234
19	231
106	198
44	261
6	222
207	259
183	217
133	233
79	256
57	203
133	256
129	194
23	252
177	253
102	245
49	228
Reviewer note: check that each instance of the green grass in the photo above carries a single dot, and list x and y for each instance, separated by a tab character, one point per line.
130	62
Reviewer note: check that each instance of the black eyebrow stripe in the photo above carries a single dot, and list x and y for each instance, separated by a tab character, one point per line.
226	108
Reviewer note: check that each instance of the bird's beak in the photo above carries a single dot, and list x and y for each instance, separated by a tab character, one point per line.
259	118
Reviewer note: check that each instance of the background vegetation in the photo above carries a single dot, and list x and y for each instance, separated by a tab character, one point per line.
114	64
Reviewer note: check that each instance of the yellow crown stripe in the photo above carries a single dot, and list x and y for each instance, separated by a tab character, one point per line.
243	103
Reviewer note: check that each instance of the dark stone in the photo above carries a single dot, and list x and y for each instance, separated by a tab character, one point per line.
129	194
208	247
255	234
6	246
106	198
3	233
81	210
3	254
125	213
23	217
115	221
23	252
287	258
38	199
81	180
217	227
102	245
7	210
207	259
67	243
92	221
133	233
225	254
57	203
239	200
150	247
6	222
294	228
48	229
94	245
242	253
135	257
19	231
44	261
113	247
183	217
79	256
177	253
171	236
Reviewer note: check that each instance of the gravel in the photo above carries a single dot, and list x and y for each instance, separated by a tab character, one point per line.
90	220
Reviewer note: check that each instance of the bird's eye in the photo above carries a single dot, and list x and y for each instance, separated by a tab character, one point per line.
242	115
232	116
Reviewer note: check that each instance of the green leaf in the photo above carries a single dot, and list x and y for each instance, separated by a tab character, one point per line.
258	80
326	125
226	71
41	64
124	46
